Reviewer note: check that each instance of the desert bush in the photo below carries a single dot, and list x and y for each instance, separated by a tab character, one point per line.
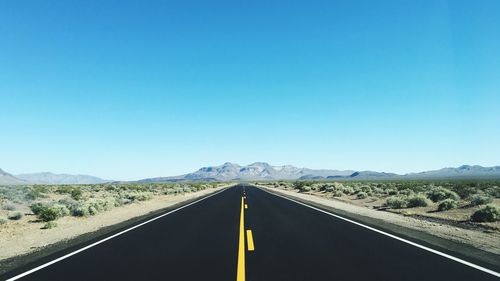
489	213
493	191
361	195
329	189
49	225
305	189
3	221
81	210
418	201
447	204
338	193
391	191
50	213
8	206
406	192
33	194
140	196
170	191
438	194
396	202
62	210
70	203
76	194
478	199
298	185
15	216
37	208
94	206
366	188
348	190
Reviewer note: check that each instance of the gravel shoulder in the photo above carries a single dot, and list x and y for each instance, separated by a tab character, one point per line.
481	246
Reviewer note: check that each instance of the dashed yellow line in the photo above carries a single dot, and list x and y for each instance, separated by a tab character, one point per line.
246	206
250	244
240	275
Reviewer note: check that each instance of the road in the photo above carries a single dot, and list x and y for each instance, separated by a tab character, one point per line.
209	240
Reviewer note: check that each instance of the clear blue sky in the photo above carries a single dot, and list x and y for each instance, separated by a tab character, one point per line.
135	89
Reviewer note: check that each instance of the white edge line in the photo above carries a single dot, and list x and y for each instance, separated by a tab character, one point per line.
110	237
494	273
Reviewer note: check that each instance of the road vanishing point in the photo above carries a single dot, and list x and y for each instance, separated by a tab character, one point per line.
246	233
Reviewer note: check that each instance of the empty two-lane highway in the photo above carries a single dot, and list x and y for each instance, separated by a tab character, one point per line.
245	233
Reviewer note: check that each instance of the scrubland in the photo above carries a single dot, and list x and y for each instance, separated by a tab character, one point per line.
469	202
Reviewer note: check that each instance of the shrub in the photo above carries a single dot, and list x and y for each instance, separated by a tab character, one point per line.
15	216
361	195
48	214
396	202
447	204
338	193
418	201
62	210
8	206
407	192
141	196
438	194
391	191
37	208
493	191
489	213
170	191
94	206
49	225
298	185
53	212
348	190
477	199
33	194
329	189
69	203
76	194
305	189
2	221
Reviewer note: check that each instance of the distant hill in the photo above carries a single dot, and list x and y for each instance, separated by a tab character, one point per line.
263	171
462	172
8	179
51	178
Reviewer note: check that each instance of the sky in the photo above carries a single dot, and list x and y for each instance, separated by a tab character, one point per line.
134	89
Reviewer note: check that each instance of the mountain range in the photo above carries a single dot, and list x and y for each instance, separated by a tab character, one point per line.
47	178
262	171
51	178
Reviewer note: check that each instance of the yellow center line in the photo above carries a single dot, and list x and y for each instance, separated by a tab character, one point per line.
246	206
251	247
240	276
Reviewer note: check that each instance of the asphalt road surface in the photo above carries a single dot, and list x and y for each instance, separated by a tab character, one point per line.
259	237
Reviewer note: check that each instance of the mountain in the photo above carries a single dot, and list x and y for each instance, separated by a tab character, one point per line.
263	171
465	171
51	178
256	171
8	179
